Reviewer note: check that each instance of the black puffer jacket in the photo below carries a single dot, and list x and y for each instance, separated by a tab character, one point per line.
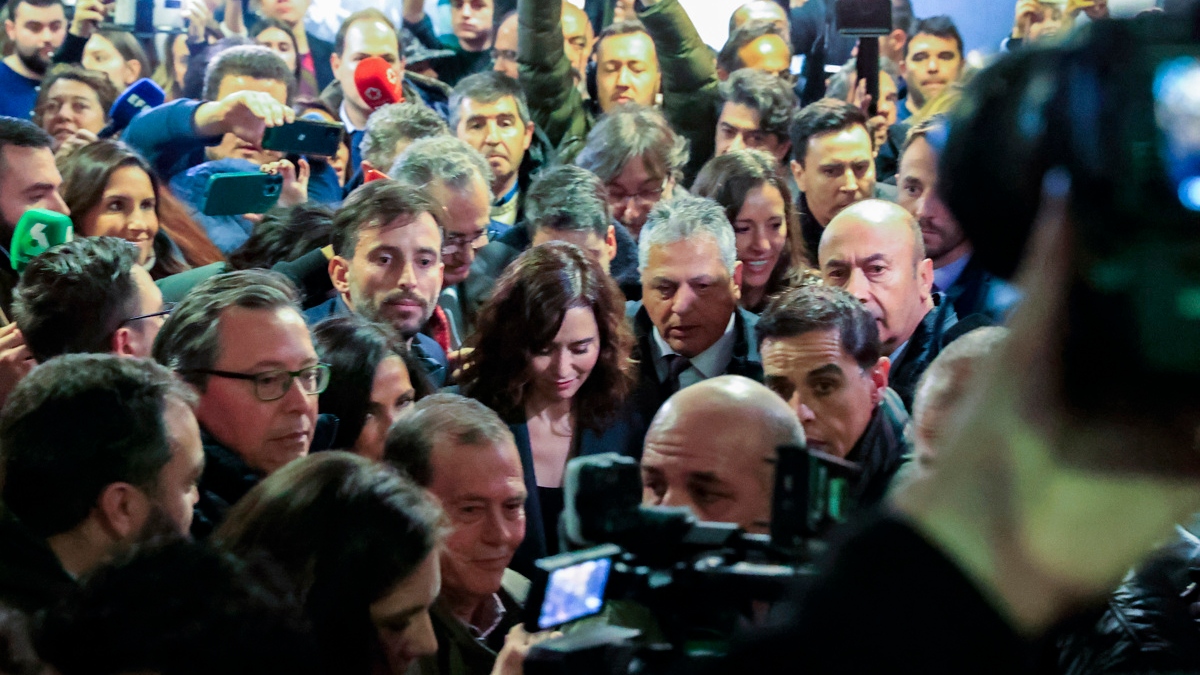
1150	624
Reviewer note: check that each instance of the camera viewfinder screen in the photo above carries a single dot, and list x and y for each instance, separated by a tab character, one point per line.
574	592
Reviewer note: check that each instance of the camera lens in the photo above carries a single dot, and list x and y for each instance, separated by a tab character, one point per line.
272	189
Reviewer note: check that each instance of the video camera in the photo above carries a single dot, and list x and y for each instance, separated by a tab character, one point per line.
1116	108
698	580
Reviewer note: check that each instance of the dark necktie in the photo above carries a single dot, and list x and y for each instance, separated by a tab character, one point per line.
676	364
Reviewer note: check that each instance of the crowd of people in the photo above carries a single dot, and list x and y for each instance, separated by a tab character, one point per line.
334	435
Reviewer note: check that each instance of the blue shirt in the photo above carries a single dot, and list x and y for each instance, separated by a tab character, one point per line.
20	93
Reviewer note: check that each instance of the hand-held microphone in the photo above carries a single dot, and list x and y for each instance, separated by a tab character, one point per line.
377	83
141	95
36	231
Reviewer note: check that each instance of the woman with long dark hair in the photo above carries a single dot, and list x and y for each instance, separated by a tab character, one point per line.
551	356
758	203
373	379
112	191
359	542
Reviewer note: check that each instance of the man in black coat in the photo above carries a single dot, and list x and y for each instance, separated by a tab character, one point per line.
956	270
688	324
821	354
874	250
239	339
99	453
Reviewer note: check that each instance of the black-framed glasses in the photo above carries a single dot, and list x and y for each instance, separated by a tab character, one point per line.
274	384
167	308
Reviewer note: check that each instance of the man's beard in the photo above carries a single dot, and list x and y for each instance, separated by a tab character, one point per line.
34	62
374	311
158	526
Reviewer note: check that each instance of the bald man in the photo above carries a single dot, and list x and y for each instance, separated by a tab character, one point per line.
760	10
711	448
874	250
504	49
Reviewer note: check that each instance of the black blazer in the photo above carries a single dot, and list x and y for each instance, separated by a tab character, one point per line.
614	438
650	393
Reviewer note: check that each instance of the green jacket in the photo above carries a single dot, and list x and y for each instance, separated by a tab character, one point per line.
689	78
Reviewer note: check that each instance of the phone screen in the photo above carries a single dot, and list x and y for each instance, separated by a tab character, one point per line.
1177	112
574	592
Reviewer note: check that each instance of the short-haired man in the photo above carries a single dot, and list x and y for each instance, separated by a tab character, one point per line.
471	24
363	34
387	265
760	45
688	325
933	60
956	272
240	341
29	179
36	29
459	179
88	296
394	127
246	90
821	354
874	250
565	203
833	162
97	453
756	112
489	111
712	446
465	455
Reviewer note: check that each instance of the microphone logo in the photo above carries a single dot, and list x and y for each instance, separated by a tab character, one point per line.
373	95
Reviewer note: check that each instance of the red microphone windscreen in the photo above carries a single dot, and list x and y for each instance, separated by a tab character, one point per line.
377	82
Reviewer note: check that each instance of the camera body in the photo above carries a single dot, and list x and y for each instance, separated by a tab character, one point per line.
1116	108
698	579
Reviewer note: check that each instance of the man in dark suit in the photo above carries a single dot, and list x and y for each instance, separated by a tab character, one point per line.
956	271
688	324
387	265
874	250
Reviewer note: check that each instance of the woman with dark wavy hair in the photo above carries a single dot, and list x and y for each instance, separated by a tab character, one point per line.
112	191
359	542
758	203
372	380
551	356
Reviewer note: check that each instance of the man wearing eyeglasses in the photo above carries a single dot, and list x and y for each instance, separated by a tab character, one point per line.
459	180
239	339
88	296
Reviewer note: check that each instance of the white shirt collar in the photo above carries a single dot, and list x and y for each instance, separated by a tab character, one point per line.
708	363
350	128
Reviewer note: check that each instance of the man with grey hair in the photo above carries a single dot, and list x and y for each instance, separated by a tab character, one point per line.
465	455
638	157
459	180
688	325
392	128
240	341
711	448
